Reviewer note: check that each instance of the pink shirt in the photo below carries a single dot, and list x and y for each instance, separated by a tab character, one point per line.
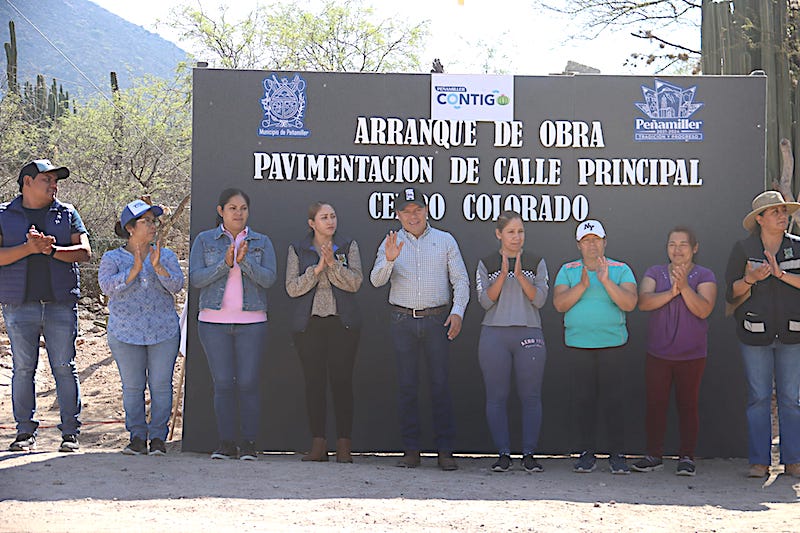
231	311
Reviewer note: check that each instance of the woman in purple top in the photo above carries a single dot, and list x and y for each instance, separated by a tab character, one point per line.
680	296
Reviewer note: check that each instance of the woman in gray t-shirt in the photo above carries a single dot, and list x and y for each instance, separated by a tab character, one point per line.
512	287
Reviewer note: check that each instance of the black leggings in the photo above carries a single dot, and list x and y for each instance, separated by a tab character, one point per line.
327	352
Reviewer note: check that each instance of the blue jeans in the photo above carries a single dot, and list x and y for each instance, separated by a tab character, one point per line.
146	365
500	348
58	323
761	365
234	359
428	336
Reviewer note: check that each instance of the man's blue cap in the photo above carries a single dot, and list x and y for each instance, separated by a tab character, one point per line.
37	166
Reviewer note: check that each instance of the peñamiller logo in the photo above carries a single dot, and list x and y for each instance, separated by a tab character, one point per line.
284	106
668	108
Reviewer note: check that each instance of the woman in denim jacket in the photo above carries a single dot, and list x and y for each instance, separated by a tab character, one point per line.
233	266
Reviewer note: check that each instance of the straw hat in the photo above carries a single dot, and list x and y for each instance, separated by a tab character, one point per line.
764	201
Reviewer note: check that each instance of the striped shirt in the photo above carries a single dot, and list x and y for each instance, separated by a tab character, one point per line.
424	272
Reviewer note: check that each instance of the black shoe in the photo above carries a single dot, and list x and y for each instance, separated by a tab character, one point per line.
648	463
157	447
247	451
618	464
585	463
69	444
227	450
503	464
23	443
685	467
530	464
137	446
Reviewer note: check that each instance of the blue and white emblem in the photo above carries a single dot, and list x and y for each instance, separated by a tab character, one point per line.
668	109
284	106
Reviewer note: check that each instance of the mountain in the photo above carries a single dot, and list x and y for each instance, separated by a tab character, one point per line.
95	40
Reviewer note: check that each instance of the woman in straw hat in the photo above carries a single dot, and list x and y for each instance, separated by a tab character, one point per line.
763	278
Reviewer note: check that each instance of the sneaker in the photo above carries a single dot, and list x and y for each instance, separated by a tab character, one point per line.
23	443
685	467
137	446
247	451
585	463
648	463
758	471
503	463
157	447
69	443
530	464
618	463
227	450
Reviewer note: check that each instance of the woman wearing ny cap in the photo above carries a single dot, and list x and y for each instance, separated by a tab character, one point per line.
512	287
140	280
323	273
233	266
594	293
763	281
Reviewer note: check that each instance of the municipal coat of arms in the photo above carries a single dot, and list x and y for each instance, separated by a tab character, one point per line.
284	106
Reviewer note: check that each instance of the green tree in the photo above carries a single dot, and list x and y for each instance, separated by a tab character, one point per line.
341	36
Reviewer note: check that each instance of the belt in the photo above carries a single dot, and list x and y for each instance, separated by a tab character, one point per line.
419	313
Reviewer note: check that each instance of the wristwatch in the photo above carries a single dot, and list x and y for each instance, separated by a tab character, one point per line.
52	251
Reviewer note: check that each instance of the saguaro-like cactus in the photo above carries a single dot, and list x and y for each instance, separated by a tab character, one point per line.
740	36
11	59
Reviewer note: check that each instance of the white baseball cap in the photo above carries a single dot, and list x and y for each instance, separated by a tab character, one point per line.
590	227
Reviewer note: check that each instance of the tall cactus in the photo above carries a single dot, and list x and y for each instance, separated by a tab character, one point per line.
740	36
11	59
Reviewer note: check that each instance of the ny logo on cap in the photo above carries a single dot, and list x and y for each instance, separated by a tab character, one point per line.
588	225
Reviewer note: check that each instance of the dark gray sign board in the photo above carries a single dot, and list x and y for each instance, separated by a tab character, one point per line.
584	149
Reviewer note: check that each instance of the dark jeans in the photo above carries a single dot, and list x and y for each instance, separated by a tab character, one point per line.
426	336
660	374
598	383
327	352
234	359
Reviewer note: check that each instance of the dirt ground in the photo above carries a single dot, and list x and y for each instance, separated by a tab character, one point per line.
99	489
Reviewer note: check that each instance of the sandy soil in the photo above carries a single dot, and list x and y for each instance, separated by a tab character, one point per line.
98	489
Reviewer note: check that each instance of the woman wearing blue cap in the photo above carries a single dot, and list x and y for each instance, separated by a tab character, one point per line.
140	280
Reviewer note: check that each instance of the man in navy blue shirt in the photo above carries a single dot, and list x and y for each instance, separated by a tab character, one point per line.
41	243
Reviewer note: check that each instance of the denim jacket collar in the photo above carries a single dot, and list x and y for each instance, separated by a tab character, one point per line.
219	232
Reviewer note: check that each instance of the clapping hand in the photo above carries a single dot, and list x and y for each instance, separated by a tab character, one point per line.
774	268
602	269
42	244
518	265
240	255
679	277
155	259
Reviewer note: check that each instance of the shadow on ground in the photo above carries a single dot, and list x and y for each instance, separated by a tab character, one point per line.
103	475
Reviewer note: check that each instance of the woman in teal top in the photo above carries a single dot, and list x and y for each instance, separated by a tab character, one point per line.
594	293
